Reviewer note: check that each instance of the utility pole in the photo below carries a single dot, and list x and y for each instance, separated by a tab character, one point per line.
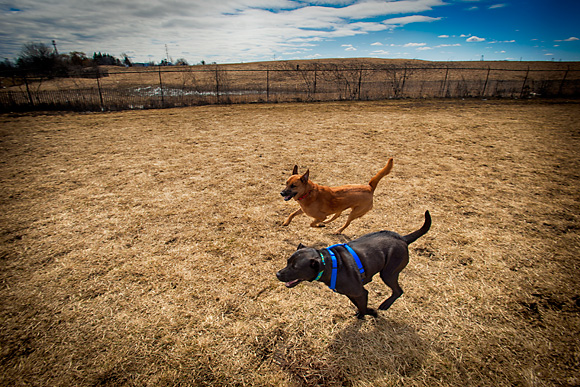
54	45
167	54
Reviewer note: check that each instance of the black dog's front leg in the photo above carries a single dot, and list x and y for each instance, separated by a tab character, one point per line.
361	303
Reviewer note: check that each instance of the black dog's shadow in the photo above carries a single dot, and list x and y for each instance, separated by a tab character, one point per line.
379	348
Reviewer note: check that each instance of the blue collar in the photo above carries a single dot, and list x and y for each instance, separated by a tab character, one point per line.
335	264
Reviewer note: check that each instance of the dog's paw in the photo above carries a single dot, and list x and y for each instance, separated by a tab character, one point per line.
369	311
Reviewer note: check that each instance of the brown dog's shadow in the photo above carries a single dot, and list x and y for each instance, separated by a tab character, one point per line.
381	348
332	239
341	238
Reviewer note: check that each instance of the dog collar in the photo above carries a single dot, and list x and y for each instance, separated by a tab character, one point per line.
321	271
304	196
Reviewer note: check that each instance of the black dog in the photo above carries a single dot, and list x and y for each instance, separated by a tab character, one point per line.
347	268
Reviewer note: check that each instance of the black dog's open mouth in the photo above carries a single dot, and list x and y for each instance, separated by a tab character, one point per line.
288	196
291	284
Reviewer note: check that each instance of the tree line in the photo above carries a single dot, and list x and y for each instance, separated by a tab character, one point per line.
42	60
39	59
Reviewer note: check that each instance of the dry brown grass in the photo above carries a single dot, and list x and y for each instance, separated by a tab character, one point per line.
139	248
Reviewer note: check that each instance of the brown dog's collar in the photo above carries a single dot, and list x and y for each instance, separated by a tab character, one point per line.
304	196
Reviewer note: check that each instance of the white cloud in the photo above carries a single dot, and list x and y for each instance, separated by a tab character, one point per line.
348	47
570	39
475	39
331	2
376	44
380	53
443	36
496	6
401	21
414	44
222	31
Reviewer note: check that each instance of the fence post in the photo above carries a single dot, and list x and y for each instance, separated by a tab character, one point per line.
404	80
315	71
268	85
360	81
562	83
444	82
524	84
28	90
99	88
217	84
161	87
486	79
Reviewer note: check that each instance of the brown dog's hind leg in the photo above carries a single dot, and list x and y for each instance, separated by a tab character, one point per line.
291	216
334	217
340	230
317	223
355	213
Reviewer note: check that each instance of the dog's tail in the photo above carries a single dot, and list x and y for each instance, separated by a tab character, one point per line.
382	173
412	237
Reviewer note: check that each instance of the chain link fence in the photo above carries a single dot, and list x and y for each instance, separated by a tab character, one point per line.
114	88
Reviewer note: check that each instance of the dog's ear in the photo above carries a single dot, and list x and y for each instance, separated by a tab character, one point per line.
304	177
301	246
295	170
314	264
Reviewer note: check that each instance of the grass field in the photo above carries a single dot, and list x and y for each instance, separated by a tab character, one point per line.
140	248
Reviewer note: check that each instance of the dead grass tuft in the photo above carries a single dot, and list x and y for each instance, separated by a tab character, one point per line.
139	248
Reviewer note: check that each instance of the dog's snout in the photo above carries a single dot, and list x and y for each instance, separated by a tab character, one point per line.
278	275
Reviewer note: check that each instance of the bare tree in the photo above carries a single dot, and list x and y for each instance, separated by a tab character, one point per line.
347	77
397	77
40	59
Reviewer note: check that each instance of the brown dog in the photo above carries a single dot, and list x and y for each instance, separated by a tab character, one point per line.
319	201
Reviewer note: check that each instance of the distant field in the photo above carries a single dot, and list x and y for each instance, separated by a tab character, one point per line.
140	248
119	88
254	73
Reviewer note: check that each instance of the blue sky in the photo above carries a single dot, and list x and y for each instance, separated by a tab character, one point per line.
230	31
